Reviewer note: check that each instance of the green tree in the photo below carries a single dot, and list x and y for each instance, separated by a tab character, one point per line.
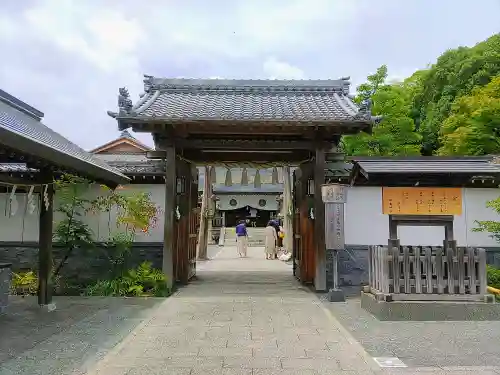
135	213
473	127
395	134
456	73
71	232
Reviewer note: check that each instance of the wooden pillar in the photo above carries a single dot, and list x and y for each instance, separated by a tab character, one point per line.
203	232
169	224
393	228
45	246
287	203
319	221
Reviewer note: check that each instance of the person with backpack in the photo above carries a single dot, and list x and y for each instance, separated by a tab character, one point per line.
242	239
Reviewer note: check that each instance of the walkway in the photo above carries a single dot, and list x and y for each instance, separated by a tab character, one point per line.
241	317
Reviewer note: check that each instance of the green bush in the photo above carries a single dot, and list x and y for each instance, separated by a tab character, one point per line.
142	281
493	277
24	283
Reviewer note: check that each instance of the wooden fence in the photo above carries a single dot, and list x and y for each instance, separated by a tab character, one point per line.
427	273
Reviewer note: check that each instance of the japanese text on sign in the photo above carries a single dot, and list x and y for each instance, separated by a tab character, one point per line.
421	201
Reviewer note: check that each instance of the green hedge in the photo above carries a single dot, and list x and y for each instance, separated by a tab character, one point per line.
493	277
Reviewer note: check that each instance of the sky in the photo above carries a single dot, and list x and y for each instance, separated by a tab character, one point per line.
68	58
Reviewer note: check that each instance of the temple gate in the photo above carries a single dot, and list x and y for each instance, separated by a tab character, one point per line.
233	122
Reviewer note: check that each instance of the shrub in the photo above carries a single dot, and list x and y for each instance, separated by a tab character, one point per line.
24	283
493	277
142	281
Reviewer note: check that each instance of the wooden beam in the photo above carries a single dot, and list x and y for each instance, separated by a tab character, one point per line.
198	156
169	224
45	247
277	128
319	221
245	144
156	154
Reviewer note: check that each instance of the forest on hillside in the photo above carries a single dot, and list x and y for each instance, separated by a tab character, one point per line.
450	108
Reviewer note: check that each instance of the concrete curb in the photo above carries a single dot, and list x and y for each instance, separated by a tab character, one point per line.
357	347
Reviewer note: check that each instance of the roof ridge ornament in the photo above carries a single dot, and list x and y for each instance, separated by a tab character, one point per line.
125	104
148	83
365	109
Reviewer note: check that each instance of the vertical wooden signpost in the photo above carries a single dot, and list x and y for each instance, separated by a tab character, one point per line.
334	197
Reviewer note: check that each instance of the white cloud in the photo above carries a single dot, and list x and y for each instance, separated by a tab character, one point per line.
106	38
68	57
275	69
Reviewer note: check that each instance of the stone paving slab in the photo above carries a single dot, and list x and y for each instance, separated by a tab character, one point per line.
241	316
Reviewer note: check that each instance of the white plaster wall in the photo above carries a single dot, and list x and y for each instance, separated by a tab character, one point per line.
364	222
251	200
366	225
23	227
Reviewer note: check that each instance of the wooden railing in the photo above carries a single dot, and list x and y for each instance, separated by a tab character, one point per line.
427	273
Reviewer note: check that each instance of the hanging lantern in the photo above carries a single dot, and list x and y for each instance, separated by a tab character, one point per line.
244	177
31	201
229	179
13	202
275	176
256	181
46	197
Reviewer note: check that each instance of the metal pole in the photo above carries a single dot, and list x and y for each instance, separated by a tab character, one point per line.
335	269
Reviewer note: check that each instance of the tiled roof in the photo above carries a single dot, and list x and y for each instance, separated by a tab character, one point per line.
22	130
430	164
245	100
124	136
133	164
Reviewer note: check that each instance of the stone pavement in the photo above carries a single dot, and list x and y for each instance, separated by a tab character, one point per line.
242	316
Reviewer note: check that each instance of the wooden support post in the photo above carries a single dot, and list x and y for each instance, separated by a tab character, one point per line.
169	224
45	247
202	247
319	221
287	202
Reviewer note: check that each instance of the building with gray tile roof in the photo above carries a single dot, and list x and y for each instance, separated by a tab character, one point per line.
243	100
25	137
428	164
426	170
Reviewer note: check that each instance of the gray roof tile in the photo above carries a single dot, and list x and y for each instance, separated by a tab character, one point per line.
22	130
438	165
245	100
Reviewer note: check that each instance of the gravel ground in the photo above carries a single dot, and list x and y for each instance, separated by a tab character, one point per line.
422	344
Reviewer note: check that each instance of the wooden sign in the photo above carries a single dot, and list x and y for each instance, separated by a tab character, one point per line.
334	226
421	201
334	193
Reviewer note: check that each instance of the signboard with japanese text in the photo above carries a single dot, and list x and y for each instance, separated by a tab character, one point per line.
421	201
334	193
334	226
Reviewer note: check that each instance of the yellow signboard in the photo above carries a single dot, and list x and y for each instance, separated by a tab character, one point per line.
421	201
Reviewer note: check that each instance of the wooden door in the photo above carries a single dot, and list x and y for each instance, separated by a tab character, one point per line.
295	227
303	228
194	224
307	248
186	227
